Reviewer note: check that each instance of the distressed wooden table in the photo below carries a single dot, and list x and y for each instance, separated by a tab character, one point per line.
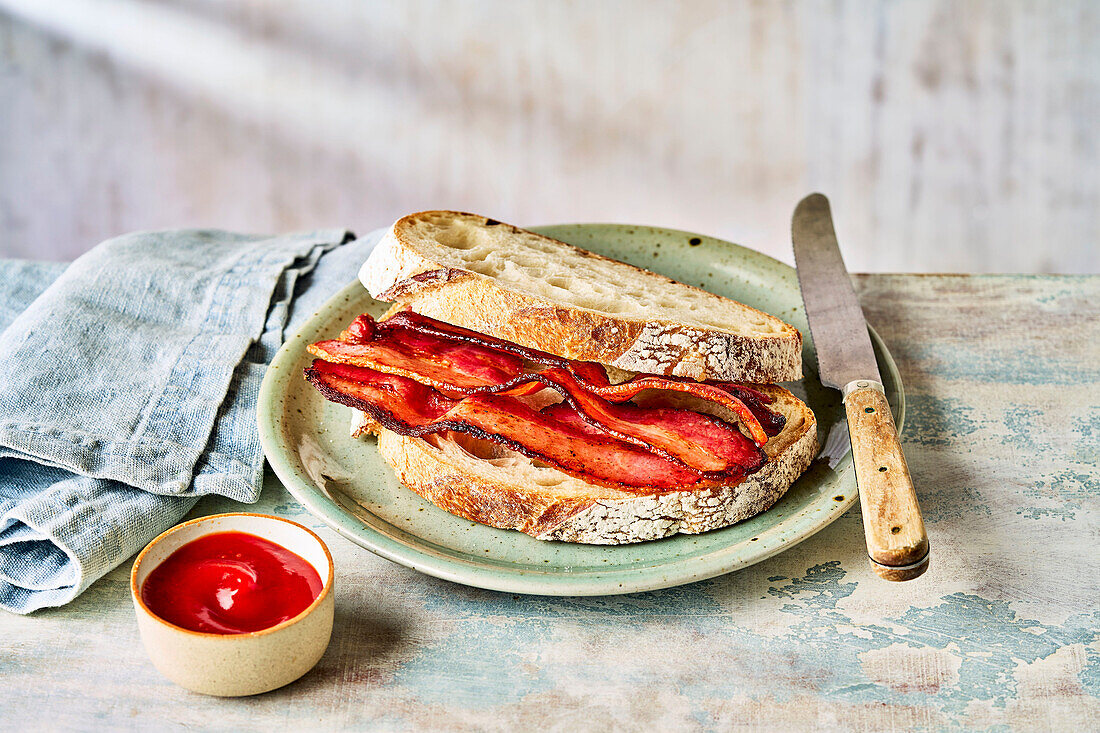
1002	633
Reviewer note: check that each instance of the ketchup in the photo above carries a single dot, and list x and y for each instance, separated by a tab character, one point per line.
230	583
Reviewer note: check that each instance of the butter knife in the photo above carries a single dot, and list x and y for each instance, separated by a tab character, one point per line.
897	544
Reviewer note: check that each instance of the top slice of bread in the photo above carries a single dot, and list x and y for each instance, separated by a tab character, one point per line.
535	291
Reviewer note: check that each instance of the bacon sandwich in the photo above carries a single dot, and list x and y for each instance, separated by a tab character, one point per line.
526	384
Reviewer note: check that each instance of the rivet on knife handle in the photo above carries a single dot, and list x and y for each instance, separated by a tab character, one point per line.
896	540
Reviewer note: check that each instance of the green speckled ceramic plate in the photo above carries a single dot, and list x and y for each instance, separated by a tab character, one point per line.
345	483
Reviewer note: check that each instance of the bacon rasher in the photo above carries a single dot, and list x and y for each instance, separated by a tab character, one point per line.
568	443
455	359
417	376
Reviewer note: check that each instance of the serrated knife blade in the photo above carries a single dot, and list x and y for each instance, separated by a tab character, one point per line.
844	352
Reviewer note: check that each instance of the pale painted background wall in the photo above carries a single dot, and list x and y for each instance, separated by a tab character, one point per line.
951	136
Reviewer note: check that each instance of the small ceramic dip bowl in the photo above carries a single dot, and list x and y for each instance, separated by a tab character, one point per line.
235	664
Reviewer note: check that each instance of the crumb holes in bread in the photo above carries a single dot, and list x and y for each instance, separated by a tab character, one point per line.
460	239
558	282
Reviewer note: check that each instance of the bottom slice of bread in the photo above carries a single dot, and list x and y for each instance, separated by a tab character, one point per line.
504	489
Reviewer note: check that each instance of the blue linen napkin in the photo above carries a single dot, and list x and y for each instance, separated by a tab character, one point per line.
128	387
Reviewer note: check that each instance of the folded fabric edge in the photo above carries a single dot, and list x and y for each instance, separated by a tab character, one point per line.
260	271
143	515
140	463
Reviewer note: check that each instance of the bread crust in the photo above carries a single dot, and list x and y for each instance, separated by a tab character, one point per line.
396	271
469	488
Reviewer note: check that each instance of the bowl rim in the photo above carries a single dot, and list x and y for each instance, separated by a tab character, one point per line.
326	586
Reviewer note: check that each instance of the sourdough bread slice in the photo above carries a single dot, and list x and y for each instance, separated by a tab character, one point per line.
520	286
491	485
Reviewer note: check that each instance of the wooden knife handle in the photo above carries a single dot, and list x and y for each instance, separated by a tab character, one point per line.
896	540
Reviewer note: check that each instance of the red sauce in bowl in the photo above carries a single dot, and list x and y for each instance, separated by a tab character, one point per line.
230	583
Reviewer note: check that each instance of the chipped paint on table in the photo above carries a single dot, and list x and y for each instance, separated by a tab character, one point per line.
1002	377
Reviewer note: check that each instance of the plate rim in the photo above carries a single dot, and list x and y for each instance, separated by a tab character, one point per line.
522	580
